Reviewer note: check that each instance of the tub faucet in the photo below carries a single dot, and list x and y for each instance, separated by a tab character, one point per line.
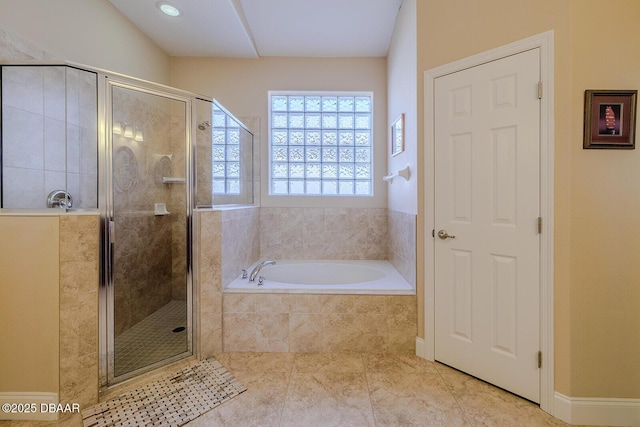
256	270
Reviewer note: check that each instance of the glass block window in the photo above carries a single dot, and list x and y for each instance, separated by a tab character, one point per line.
321	144
226	153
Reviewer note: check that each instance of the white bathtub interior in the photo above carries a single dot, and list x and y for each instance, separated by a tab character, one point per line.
376	277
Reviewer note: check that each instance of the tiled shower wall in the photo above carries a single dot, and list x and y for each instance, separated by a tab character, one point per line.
144	283
49	129
16	49
147	283
79	265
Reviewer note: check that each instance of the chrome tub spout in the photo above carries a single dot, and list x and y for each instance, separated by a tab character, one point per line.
256	270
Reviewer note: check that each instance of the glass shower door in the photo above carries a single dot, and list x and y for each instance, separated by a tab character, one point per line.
148	222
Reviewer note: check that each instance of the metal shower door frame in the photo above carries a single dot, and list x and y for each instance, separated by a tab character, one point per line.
106	84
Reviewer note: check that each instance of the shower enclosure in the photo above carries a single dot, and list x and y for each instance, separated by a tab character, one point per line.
224	149
148	217
143	156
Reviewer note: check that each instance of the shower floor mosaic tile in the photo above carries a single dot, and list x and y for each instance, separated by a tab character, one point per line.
152	339
173	400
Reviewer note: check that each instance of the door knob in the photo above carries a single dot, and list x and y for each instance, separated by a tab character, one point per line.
444	235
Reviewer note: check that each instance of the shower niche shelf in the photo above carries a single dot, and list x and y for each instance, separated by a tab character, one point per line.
172	180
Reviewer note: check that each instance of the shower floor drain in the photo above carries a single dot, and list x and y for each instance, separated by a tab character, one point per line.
179	329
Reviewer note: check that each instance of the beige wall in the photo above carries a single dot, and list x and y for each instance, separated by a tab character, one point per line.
242	86
402	95
605	202
597	193
49	306
29	319
90	32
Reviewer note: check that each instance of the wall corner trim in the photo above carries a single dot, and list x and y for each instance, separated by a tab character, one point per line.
597	411
420	348
38	403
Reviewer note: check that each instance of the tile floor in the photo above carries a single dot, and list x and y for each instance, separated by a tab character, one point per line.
359	389
152	339
343	389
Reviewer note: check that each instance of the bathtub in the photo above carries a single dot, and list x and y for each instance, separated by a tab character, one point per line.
326	277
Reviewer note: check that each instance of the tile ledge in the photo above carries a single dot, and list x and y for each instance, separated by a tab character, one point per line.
49	212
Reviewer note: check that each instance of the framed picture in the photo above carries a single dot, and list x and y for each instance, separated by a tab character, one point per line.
610	119
397	136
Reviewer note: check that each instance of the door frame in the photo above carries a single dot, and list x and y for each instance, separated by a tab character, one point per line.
545	42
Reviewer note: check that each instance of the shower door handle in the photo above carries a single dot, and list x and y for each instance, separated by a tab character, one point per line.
112	231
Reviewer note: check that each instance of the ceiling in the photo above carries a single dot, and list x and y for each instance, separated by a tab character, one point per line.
257	28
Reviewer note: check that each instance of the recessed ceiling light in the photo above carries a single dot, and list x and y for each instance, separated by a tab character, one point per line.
168	9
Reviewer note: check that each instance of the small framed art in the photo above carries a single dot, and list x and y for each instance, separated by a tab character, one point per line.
610	119
397	136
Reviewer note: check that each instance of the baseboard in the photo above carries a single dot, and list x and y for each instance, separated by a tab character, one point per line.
420	352
28	406
597	411
584	410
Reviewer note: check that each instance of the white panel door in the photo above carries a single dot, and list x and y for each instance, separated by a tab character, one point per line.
487	199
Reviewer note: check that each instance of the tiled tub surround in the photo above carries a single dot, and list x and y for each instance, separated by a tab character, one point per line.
233	239
227	242
323	233
340	233
319	323
402	244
